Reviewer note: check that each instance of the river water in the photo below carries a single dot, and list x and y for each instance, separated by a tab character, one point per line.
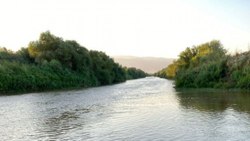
144	109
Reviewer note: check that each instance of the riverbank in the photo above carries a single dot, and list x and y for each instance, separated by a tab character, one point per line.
209	66
52	63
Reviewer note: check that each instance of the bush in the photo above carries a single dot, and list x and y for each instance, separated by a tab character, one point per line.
52	63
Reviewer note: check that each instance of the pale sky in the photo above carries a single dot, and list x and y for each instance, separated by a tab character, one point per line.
159	28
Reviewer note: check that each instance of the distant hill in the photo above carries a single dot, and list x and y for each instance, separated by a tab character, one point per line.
147	64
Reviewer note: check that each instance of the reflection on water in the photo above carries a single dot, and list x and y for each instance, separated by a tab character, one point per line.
214	100
143	109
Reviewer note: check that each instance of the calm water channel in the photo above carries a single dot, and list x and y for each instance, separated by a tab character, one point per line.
143	109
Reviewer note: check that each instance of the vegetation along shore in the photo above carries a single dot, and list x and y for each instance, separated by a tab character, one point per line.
209	66
53	63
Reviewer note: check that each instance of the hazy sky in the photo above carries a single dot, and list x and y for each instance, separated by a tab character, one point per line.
160	28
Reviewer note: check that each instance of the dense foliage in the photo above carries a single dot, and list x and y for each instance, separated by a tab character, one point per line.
134	73
208	65
54	63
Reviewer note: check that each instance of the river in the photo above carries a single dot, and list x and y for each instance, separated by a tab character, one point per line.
143	109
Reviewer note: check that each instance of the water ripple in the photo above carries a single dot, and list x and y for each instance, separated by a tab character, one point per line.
143	109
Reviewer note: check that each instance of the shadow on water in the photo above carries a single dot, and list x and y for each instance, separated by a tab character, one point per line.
212	100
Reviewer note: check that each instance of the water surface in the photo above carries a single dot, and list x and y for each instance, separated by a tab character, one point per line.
143	109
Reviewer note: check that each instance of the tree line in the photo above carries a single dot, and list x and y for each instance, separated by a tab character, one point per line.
53	63
209	66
